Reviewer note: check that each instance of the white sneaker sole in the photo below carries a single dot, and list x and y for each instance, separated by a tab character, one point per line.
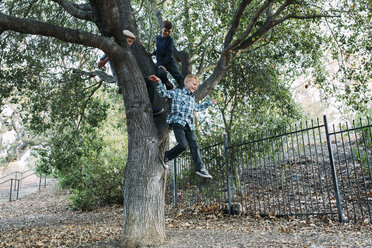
203	175
164	165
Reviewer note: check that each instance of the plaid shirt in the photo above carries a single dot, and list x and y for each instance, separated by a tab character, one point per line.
183	105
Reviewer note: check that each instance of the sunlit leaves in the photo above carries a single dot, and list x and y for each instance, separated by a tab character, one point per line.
350	45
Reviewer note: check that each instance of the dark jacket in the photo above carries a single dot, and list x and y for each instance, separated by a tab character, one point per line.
164	49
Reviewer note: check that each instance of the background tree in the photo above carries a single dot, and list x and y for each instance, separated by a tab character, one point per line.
349	43
242	26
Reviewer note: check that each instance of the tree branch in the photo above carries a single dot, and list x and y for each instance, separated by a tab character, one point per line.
183	57
75	11
257	48
217	75
235	22
201	71
82	114
294	16
159	17
102	75
342	65
202	60
282	7
30	26
85	6
249	27
269	24
108	19
269	11
159	4
140	7
29	8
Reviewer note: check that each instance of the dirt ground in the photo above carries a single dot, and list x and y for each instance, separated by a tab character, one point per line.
44	219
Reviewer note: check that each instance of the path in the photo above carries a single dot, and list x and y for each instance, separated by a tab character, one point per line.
27	186
43	219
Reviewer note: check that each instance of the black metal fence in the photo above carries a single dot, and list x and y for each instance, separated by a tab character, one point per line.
306	170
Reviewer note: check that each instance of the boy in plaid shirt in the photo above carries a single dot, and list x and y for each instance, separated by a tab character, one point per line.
181	120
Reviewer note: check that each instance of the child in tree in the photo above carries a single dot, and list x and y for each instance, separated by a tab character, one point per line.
130	37
181	120
164	58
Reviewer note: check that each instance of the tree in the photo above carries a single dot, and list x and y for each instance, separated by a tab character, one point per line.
248	26
252	98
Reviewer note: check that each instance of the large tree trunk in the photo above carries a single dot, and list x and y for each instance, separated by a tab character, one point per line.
143	195
144	185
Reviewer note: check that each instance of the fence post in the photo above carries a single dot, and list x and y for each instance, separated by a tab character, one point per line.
333	169
175	182
18	187
227	172
15	178
11	188
40	181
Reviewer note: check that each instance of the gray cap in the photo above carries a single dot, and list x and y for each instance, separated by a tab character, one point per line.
128	33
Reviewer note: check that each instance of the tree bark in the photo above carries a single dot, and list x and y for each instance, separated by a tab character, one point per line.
144	185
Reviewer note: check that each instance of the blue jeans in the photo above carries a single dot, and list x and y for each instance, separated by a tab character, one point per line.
173	70
183	136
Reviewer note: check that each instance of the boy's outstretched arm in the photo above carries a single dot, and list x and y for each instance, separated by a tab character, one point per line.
204	105
160	88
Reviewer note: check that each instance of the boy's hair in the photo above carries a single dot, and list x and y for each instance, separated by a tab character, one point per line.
167	24
189	76
129	34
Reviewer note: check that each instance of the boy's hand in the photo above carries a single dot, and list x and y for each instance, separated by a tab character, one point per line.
102	63
214	101
163	67
154	78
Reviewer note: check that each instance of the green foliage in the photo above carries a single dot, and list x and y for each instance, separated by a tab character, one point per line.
89	160
66	109
295	47
2	162
363	150
364	158
251	100
100	181
349	41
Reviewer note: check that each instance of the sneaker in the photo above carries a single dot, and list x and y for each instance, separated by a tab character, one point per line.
203	173
164	162
157	111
